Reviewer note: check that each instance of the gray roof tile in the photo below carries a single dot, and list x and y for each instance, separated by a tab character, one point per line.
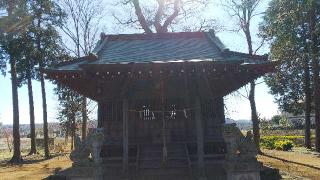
167	47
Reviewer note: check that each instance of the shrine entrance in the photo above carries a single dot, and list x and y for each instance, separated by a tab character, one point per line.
158	124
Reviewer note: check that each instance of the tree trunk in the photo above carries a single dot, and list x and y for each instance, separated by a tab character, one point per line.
16	158
73	130
45	116
254	116
307	103
31	112
315	66
66	136
143	22
72	139
84	118
43	92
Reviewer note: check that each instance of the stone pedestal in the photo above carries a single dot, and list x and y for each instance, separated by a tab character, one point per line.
240	170
95	151
85	171
83	168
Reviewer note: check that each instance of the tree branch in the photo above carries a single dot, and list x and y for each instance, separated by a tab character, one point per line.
260	46
172	17
159	14
141	17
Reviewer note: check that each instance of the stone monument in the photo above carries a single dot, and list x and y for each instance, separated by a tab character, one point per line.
84	165
241	163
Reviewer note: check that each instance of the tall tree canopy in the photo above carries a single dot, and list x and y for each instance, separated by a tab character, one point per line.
287	26
47	16
11	45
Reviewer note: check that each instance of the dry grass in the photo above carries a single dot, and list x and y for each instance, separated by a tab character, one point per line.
34	167
297	163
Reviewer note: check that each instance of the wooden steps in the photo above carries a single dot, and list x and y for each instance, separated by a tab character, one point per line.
152	167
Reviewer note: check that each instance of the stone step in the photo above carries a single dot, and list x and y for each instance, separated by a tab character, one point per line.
164	177
160	158
164	172
153	164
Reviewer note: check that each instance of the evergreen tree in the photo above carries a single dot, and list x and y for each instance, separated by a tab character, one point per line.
10	42
286	25
314	37
26	72
69	110
46	16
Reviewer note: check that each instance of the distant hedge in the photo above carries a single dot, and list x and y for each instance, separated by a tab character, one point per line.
284	143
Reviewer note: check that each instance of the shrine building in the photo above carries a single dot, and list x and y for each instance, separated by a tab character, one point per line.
161	103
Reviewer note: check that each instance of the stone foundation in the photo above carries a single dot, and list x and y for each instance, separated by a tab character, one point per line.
85	171
237	170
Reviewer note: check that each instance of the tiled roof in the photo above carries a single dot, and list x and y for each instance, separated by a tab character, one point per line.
166	47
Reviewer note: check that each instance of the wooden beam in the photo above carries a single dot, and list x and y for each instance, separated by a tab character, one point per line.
125	137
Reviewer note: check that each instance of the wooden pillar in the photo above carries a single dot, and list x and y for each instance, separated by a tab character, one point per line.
101	114
125	136
220	109
200	134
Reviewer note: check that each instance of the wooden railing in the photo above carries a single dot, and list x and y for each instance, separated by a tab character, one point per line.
188	158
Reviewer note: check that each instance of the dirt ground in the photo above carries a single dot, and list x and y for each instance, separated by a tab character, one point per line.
295	165
34	168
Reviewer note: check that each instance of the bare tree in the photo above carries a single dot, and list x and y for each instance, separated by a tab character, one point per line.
244	11
81	24
81	27
7	133
161	16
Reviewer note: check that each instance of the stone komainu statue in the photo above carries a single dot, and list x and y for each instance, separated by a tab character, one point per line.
238	145
81	151
91	145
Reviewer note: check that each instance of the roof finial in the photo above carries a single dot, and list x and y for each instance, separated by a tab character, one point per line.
102	35
212	32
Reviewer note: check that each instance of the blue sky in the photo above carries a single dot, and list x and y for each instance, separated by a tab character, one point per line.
237	106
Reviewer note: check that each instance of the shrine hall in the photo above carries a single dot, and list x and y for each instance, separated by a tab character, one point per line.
161	103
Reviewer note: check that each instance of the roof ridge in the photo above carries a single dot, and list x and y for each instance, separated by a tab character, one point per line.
168	35
100	45
211	36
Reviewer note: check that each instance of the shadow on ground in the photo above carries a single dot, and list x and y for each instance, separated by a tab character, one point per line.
297	163
267	173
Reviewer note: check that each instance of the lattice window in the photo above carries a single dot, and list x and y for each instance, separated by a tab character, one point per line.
114	111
